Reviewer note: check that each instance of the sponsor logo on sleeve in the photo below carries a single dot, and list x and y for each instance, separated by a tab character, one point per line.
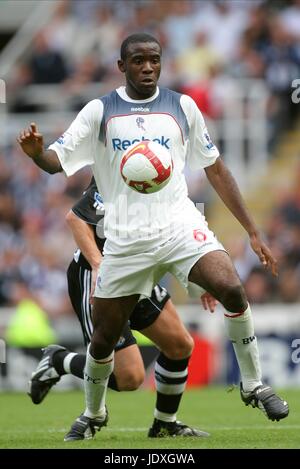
61	140
209	145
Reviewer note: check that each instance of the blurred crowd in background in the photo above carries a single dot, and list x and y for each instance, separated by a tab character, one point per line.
203	43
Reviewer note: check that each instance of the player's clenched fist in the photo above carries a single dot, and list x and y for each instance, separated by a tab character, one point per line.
31	141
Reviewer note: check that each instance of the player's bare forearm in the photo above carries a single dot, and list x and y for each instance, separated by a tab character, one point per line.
225	185
32	144
84	237
48	161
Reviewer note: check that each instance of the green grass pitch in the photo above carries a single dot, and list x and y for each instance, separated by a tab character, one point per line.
230	423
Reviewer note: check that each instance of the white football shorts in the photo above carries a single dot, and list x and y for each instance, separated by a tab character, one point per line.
124	275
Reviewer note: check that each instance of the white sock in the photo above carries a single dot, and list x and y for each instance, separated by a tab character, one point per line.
96	375
240	330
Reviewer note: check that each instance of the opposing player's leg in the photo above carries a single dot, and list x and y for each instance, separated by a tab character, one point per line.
129	371
171	372
109	319
215	272
58	361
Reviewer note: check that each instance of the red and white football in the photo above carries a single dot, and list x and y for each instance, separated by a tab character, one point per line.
146	167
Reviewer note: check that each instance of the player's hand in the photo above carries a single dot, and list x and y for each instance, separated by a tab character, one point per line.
31	141
264	254
208	302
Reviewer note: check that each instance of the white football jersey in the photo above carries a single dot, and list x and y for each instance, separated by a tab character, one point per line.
99	136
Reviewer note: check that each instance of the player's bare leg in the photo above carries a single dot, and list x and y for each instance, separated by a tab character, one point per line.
215	273
129	368
177	343
171	372
109	319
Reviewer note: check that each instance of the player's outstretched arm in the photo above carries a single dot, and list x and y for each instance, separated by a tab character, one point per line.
32	143
225	185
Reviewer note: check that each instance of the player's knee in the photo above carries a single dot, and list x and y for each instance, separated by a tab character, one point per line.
182	348
234	298
131	380
102	344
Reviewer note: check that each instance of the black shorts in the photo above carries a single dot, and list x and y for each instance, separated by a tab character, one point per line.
148	310
143	315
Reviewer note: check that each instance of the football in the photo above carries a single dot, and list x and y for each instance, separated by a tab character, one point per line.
146	167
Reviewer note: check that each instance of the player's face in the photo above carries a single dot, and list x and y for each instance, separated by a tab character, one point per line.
141	68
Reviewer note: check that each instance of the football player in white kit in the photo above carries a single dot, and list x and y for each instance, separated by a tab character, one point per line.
151	234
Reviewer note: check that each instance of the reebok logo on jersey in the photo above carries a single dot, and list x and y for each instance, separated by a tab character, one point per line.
140	109
119	144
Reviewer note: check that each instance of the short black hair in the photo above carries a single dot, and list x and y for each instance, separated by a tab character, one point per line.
133	39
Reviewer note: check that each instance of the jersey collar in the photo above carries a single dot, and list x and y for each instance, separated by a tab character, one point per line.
122	93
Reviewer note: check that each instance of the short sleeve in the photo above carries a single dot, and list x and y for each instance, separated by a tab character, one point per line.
90	207
76	148
202	152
